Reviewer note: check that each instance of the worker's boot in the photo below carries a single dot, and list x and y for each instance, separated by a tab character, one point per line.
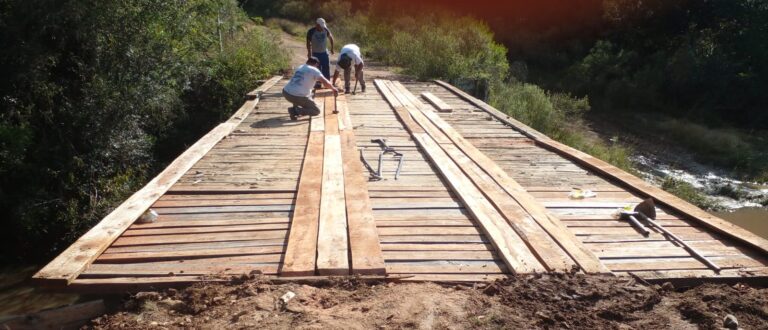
293	113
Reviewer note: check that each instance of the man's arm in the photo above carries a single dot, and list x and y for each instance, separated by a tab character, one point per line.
335	76
330	37
328	85
309	43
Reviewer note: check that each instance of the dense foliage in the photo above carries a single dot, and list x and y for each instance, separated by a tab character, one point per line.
690	71
97	95
458	48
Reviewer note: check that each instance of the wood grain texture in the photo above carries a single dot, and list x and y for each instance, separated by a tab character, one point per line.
437	102
510	247
625	179
332	237
301	252
552	225
365	248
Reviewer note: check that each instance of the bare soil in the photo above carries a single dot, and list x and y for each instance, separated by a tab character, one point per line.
526	302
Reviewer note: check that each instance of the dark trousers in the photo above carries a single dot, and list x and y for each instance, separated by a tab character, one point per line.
325	63
358	76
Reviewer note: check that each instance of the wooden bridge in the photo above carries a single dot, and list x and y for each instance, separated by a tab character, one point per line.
479	196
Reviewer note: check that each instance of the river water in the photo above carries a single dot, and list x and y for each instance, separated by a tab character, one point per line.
754	219
742	201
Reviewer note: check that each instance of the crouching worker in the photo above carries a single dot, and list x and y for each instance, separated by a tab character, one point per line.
298	91
349	55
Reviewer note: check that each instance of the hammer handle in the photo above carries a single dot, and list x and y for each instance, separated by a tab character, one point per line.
633	221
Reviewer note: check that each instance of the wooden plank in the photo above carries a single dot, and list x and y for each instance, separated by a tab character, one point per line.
190	254
365	249
629	181
202	237
332	240
301	252
317	123
173	269
508	244
437	102
256	93
526	226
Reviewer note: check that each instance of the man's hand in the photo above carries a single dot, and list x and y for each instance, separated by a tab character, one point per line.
335	91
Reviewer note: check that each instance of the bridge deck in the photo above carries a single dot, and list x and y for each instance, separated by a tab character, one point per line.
476	199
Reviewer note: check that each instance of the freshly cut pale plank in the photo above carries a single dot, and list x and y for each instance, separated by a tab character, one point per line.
553	226
545	247
301	253
437	102
332	243
70	263
365	249
317	123
631	182
510	247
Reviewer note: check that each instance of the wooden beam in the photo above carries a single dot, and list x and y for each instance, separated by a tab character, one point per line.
332	240
548	252
551	224
437	102
510	247
365	248
301	252
627	180
256	93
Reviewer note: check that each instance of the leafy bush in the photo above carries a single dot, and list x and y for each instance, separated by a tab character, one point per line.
97	95
689	193
288	26
558	116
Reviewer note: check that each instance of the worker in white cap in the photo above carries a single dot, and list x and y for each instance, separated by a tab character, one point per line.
317	46
349	56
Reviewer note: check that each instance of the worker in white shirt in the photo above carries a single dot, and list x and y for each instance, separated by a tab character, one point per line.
348	56
298	91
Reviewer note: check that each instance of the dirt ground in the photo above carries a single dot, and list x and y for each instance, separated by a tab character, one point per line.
529	302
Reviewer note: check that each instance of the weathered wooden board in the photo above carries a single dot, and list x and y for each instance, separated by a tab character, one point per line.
365	249
437	102
508	244
627	180
301	253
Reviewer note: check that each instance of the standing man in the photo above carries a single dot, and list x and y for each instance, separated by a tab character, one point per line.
317	46
350	54
298	91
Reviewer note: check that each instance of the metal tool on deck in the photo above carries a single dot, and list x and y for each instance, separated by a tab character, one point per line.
631	218
647	212
373	176
386	149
